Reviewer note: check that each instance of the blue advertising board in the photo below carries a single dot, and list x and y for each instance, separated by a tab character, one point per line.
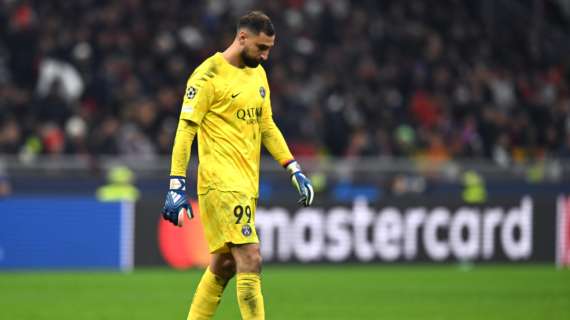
65	233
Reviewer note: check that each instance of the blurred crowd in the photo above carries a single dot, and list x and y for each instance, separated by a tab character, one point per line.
436	79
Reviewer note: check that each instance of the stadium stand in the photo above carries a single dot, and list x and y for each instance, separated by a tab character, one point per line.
349	78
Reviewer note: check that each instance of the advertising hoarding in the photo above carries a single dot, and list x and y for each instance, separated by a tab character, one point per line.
65	233
420	230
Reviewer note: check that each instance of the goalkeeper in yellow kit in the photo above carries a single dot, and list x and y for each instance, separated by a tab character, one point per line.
227	104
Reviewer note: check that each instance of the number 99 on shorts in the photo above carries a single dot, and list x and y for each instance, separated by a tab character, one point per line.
228	217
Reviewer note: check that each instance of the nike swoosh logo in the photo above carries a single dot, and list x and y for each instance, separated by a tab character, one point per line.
235	95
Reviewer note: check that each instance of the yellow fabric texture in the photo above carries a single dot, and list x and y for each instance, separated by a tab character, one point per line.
207	297
227	217
232	109
182	147
249	296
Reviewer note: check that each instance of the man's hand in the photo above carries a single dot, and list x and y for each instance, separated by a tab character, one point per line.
176	204
301	183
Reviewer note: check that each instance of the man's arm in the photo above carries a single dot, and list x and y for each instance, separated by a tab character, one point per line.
182	147
176	204
274	142
197	100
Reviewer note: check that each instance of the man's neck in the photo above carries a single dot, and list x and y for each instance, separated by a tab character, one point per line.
231	54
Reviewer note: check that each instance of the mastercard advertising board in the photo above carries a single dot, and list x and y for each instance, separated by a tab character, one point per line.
526	229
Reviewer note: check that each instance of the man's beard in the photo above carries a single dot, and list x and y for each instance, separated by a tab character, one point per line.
249	61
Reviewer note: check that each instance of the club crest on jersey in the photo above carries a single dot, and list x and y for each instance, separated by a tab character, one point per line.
191	93
246	230
262	92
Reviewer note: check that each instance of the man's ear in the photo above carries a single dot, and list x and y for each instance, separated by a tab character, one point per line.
242	36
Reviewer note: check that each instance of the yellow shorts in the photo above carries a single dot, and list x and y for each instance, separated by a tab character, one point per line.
227	217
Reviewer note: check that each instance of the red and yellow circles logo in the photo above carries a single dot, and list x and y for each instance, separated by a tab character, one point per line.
184	247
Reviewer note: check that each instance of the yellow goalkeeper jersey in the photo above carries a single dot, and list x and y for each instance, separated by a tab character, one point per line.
232	108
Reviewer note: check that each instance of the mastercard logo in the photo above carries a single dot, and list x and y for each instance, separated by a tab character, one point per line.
183	247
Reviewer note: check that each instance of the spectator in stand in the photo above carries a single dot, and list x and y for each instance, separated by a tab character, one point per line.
349	78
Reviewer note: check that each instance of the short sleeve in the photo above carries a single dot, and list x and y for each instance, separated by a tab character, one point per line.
198	97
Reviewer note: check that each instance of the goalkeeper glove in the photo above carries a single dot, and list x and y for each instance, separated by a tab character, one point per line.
301	183
176	204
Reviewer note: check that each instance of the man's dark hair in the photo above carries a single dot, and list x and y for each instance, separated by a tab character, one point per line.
256	22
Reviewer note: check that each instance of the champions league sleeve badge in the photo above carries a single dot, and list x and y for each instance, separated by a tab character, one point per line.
191	93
